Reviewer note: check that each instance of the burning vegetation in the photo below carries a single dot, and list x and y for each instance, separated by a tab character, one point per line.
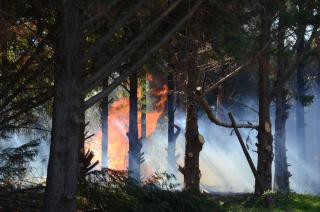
162	105
118	124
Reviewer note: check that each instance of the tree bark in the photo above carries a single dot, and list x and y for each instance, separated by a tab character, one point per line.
104	126
318	100
191	170
172	162
281	173
318	92
265	149
63	167
144	107
300	119
134	142
219	107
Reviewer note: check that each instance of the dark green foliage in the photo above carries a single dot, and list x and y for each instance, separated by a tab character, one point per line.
114	191
14	162
306	100
26	51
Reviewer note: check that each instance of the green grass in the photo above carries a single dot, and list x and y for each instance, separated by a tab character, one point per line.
280	202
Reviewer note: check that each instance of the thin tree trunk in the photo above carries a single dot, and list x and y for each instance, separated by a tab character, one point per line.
191	169
219	102
300	119
144	107
318	103
172	163
318	92
104	126
281	173
63	167
134	142
265	149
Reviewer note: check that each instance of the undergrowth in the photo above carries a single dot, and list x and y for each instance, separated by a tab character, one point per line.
114	191
279	202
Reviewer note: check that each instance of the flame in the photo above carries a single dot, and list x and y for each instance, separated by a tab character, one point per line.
118	126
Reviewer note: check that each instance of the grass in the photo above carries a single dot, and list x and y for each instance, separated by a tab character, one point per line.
280	202
117	193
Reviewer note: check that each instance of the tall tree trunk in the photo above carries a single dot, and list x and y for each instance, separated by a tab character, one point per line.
63	167
134	142
104	126
318	91
265	149
219	102
300	119
318	101
172	163
281	173
191	170
144	107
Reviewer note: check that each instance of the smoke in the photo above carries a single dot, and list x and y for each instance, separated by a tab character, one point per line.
222	162
305	171
223	165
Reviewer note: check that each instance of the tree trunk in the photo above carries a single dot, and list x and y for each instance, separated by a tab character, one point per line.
63	167
144	107
300	119
172	162
104	126
134	142
265	149
318	92
281	173
318	101
219	107
191	169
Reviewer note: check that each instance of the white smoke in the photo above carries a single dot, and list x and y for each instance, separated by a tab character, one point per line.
223	165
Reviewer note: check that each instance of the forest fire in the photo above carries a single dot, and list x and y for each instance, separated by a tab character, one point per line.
118	125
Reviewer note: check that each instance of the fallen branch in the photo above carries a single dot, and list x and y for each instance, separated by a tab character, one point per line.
245	151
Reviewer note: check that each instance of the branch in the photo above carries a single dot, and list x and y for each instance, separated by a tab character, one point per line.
122	85
292	68
206	107
20	73
97	46
134	67
128	50
26	109
31	128
223	79
176	134
246	153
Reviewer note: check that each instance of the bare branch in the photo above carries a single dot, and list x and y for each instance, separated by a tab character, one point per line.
206	107
128	50
234	72
98	45
134	67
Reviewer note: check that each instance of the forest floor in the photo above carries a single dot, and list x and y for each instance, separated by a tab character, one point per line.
168	201
130	197
115	192
280	202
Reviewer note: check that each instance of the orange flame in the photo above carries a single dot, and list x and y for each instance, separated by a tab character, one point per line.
118	126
